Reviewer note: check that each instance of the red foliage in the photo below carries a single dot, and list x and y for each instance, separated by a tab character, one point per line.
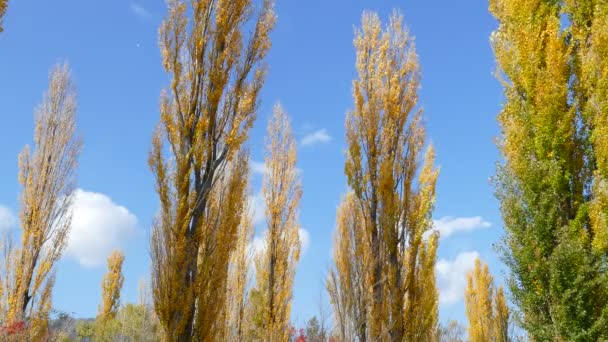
13	328
301	337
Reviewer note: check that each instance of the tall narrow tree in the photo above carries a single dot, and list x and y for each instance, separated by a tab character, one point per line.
48	178
111	286
216	76
486	307
276	263
385	139
226	207
238	280
551	185
3	7
347	282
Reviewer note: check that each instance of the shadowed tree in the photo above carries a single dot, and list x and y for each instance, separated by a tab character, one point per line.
111	286
3	7
385	139
552	62
216	76
238	280
48	178
276	262
346	283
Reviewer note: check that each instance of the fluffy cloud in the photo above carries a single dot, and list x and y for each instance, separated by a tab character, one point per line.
258	167
449	225
140	11
7	219
259	242
452	276
98	227
318	137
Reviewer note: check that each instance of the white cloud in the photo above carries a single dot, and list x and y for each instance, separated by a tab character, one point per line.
259	242
98	227
304	239
140	11
318	137
449	225
258	167
7	219
257	206
452	276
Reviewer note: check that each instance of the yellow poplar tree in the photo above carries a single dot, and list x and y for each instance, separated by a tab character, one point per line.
216	75
385	139
347	282
48	178
486	307
238	278
276	263
111	286
3	7
501	316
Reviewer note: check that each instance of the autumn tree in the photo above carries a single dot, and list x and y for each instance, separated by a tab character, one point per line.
486	306
396	194
111	286
347	281
3	7
238	280
216	75
551	58
276	262
48	178
451	332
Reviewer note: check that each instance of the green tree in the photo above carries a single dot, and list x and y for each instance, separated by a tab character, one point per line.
314	331
552	64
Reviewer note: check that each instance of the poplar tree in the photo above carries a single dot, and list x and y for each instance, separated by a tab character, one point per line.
238	280
216	73
111	286
396	194
276	262
3	7
48	178
347	283
552	64
486	306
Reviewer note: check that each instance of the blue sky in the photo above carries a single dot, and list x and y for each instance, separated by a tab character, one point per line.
113	52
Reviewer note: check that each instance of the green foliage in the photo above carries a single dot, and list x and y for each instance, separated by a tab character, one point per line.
314	331
134	323
551	182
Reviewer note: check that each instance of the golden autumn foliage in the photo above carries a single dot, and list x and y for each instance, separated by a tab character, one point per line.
227	204
236	325
347	282
486	307
3	7
216	75
395	193
111	286
48	177
276	262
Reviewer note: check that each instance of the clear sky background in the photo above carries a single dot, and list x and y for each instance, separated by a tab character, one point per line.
112	47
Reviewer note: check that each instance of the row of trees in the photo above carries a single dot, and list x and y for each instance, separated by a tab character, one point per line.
551	58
